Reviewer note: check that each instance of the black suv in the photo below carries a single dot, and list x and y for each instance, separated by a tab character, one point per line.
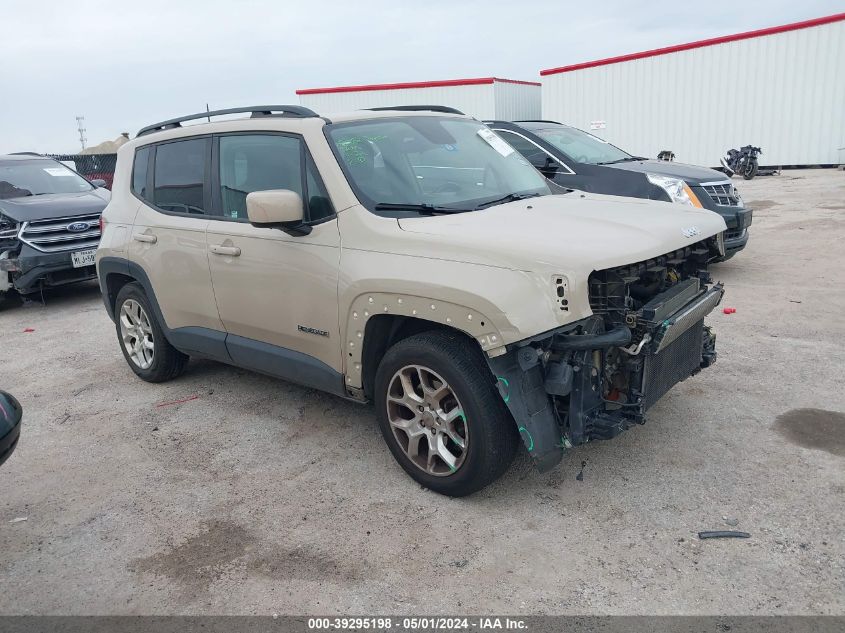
575	159
49	224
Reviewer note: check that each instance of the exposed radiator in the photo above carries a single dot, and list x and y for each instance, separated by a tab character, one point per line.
674	363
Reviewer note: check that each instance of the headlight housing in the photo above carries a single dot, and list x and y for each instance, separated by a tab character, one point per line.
8	229
677	189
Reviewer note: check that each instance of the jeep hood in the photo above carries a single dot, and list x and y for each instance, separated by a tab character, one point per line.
692	174
57	205
569	232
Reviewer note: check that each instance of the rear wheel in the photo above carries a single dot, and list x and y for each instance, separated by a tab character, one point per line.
441	415
148	353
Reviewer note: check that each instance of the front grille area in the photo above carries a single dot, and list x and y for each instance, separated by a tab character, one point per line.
734	234
609	289
673	364
63	234
723	194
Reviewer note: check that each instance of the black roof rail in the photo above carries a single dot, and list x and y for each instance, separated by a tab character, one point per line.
419	108
537	121
256	111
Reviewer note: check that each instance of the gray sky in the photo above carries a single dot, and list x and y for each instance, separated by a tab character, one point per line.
127	64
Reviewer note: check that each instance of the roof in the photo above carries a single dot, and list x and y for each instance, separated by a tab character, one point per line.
22	156
283	124
774	30
419	84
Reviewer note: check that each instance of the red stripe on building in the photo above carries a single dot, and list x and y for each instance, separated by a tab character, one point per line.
418	84
700	44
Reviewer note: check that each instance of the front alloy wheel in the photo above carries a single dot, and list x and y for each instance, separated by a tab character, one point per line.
136	332
440	412
427	420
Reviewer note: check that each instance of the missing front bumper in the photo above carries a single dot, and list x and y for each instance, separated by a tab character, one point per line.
562	393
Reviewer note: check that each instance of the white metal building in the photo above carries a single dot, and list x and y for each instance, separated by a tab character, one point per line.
781	89
483	98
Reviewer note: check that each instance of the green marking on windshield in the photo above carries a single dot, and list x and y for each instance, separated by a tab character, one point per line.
352	148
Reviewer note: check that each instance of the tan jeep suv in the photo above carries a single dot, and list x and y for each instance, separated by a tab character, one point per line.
412	259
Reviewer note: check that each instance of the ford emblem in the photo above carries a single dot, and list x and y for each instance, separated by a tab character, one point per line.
78	227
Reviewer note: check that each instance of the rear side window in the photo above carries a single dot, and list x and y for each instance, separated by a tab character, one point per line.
139	172
257	162
179	176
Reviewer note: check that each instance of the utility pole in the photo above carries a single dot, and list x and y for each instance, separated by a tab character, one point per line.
80	125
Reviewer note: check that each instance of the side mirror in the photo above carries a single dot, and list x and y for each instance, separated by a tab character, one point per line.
99	183
549	168
277	208
10	424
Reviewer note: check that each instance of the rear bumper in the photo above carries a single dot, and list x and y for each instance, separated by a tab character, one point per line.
31	269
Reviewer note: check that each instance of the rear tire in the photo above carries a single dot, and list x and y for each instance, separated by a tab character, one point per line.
441	414
140	336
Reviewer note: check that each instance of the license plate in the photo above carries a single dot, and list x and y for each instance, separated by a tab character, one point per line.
83	258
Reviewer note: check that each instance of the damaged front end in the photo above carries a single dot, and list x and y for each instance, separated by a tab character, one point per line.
597	377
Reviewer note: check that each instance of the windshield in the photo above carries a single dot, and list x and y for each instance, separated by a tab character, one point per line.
582	147
431	164
37	178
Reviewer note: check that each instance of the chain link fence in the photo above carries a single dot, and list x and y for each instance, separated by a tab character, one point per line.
90	166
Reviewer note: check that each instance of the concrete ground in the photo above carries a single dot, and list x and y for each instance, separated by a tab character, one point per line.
259	497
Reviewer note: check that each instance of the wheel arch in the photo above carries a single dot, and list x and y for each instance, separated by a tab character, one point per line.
378	320
385	330
114	273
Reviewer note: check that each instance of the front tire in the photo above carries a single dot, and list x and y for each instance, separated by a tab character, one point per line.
751	168
145	348
441	415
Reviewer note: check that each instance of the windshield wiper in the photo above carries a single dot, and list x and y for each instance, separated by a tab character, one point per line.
627	159
422	208
511	197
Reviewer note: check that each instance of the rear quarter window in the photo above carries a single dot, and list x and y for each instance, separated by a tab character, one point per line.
139	172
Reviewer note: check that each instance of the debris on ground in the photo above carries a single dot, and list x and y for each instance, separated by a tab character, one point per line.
172	402
729	310
28	329
723	534
18	520
580	475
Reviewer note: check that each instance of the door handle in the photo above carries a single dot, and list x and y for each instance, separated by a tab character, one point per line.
231	251
144	237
